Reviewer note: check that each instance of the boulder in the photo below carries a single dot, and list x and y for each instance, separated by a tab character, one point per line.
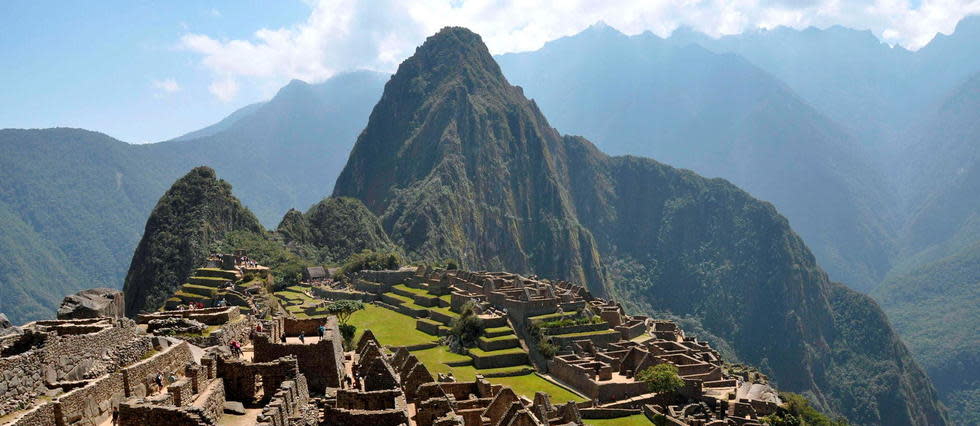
234	407
6	327
93	303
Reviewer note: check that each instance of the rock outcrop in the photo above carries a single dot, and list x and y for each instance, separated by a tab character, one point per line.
93	303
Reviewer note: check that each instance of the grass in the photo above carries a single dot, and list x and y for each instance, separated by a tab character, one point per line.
586	333
482	353
634	420
390	327
412	290
528	384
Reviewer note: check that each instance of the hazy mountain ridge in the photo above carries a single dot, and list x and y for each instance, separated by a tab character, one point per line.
721	116
77	200
491	177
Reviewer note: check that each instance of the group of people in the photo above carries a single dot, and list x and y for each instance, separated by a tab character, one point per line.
190	306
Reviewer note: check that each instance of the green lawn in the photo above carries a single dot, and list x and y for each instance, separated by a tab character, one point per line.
411	290
528	384
390	327
634	420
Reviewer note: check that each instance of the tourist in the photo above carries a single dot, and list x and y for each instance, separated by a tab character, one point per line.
236	348
115	416
159	381
322	331
258	327
302	337
172	378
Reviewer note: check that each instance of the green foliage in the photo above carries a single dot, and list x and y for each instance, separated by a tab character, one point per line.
348	331
661	378
566	322
797	411
343	309
369	260
333	230
195	213
547	348
286	266
468	327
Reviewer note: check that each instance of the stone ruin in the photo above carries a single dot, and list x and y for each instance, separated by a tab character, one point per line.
174	367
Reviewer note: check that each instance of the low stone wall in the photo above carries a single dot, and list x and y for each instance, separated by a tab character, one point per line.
138	378
499	361
142	414
210	402
292	327
607	413
240	330
340	416
333	294
20	380
582	328
91	401
428	326
287	402
387	277
42	415
209	316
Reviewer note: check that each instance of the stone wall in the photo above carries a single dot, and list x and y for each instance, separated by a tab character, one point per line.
20	381
239	377
321	363
334	294
142	414
139	377
209	316
41	415
210	402
288	402
91	401
340	416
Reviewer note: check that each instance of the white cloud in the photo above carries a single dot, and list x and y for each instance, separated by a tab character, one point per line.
215	13
165	86
224	89
341	35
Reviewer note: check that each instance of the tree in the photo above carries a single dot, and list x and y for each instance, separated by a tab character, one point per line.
468	327
661	378
343	309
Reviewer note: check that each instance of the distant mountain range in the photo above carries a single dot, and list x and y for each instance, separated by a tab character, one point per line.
73	202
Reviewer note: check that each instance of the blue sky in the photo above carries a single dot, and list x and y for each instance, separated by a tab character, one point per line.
146	71
92	64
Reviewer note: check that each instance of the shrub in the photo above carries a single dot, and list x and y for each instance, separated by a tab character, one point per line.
661	378
797	411
468	327
547	348
347	331
369	260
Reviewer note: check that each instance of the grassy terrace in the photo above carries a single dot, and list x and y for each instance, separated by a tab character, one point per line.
390	327
634	420
418	291
396	329
587	333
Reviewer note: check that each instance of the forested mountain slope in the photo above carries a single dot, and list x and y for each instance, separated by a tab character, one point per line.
74	202
720	116
492	184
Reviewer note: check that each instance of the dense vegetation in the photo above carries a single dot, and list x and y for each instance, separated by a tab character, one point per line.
799	412
333	230
934	307
195	213
460	164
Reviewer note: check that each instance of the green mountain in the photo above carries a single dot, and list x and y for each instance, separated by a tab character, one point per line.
458	163
333	230
73	202
719	115
934	308
933	294
195	213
